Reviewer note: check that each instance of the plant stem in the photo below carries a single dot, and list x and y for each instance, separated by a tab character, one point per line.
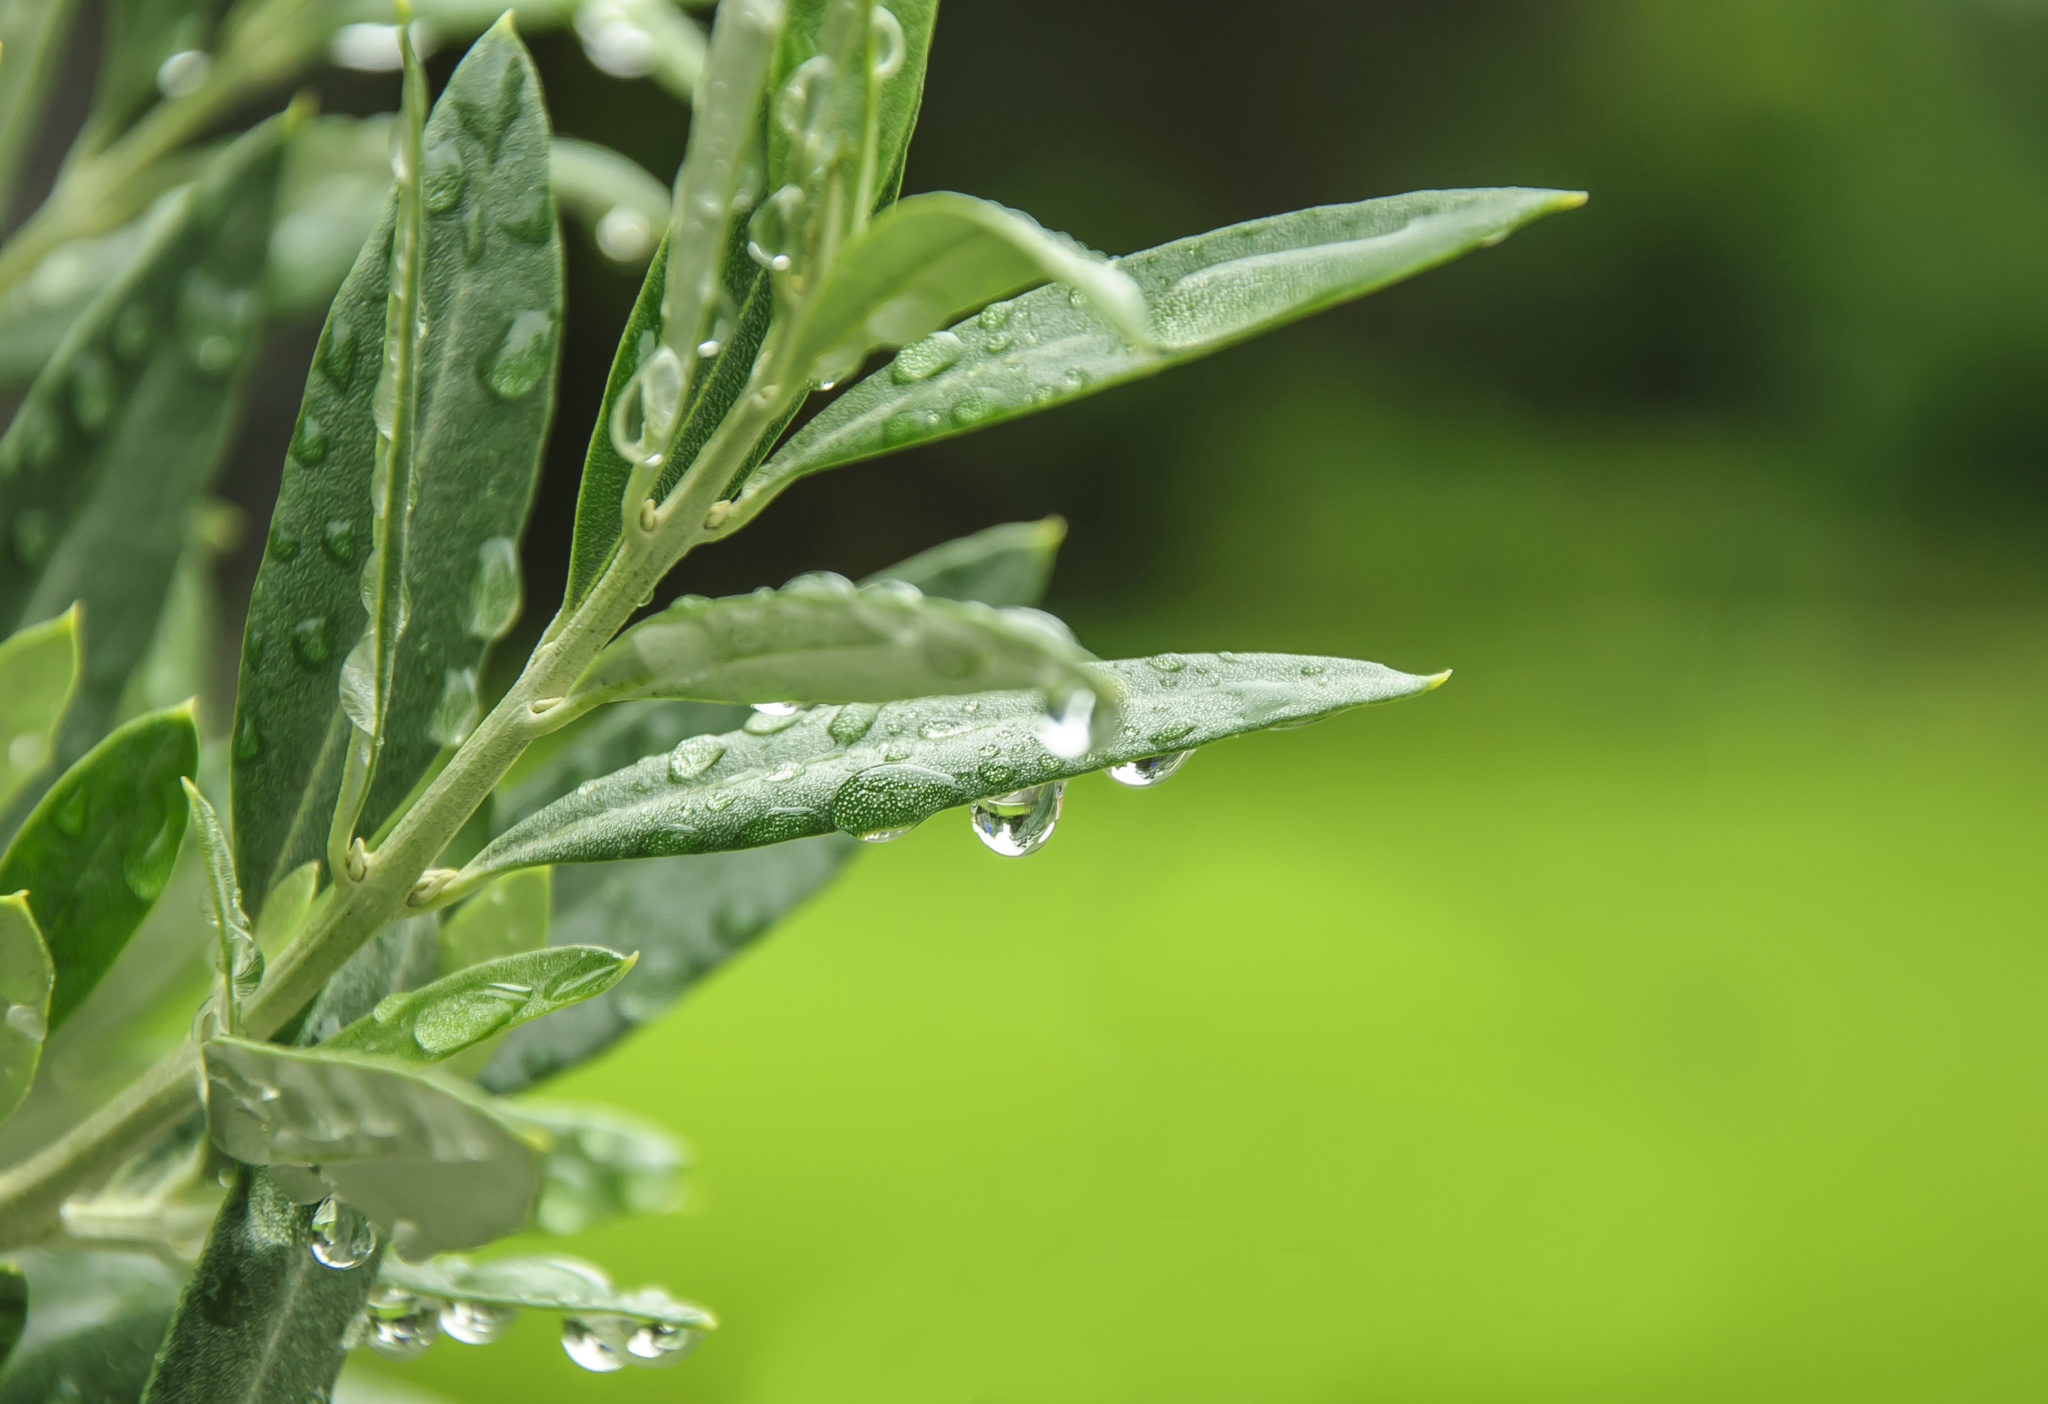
32	1192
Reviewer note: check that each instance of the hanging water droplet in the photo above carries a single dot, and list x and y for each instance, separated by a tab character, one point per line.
1148	771
524	355
476	1323
312	644
886	835
693	757
777	709
494	593
401	1326
342	1237
183	73
657	1343
597	1343
885	44
1065	729
28	1021
624	235
921	360
1020	822
771	232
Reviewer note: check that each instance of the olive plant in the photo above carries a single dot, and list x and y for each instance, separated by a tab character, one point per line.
423	900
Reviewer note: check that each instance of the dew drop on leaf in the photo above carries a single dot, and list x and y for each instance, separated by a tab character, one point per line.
524	355
693	757
476	1323
1148	771
248	738
455	715
921	360
597	1343
1018	823
28	1021
282	545
443	174
771	232
494	595
338	540
312	643
531	219
658	1343
70	813
852	722
183	73
342	1237
146	869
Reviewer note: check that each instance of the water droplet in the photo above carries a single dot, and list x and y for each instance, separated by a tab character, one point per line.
248	739
885	44
693	757
32	534
148	868
338	540
972	409
624	235
476	1323
1166	662
1075	378
312	643
851	722
708	348
658	1343
468	1017
644	417
28	1021
401	1326
892	796
886	835
803	105
494	594
921	360
92	392
26	752
309	440
597	1343
996	344
1065	729
1018	823
995	315
771	232
443	174
214	323
282	545
455	715
183	73
783	774
69	815
523	357
1149	771
531	219
342	1237
776	709
337	353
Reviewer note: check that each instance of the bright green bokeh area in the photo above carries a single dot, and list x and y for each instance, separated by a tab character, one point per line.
1654	1012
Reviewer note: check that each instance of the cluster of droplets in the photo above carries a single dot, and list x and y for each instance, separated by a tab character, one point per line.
400	1325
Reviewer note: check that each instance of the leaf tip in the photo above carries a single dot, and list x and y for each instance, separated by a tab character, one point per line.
1569	199
1432	681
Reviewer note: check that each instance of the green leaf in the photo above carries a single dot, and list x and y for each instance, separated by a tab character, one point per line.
508	917
1203	293
540	1284
13	1309
690	915
107	457
291	901
403	956
472	1005
38	674
490	287
819	639
866	770
94	1322
261	1318
32	35
139	36
428	1161
713	392
26	976
602	1164
98	848
168	1194
236	955
928	259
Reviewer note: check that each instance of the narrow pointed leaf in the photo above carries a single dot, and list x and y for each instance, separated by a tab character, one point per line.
236	955
859	769
926	260
463	1009
26	977
818	639
260	1318
428	1161
32	34
291	901
94	1322
140	38
602	1164
565	1285
690	915
106	459
509	917
1203	293
403	956
490	290
98	848
38	674
747	285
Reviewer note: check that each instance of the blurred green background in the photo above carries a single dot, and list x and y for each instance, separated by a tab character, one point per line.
1656	1012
